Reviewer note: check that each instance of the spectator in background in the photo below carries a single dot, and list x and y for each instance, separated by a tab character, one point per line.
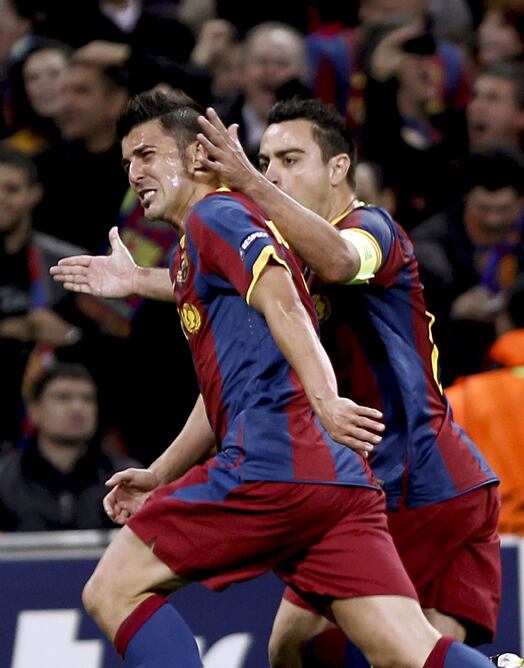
148	26
35	95
469	254
27	297
372	187
274	55
83	180
488	406
500	35
495	113
57	480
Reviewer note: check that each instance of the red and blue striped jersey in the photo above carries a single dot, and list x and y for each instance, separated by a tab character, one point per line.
264	425
378	336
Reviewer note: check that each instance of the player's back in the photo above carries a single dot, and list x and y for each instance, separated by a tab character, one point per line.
378	335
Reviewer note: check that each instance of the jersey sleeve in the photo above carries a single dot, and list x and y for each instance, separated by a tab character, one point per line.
233	242
369	233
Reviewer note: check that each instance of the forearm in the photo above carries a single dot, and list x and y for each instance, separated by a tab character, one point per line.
193	442
315	240
295	335
153	284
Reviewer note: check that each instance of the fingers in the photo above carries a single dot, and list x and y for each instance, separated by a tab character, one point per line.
74	260
117	478
114	239
210	148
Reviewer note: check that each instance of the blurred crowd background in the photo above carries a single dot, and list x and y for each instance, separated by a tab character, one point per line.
434	93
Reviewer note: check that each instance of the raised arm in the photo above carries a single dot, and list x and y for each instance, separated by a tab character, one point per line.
276	298
114	275
132	487
316	241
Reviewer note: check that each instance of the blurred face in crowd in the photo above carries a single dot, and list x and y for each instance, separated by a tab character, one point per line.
292	160
227	71
67	411
492	213
91	105
493	115
157	172
17	196
43	79
272	56
419	79
497	39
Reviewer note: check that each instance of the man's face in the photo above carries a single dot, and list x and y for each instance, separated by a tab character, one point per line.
17	196
292	160
272	57
497	39
492	114
89	105
67	411
493	213
156	171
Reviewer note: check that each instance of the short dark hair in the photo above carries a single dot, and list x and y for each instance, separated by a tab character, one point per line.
14	158
177	113
59	370
329	128
495	167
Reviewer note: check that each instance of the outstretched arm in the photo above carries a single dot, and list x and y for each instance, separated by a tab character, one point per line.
316	241
132	487
275	296
114	275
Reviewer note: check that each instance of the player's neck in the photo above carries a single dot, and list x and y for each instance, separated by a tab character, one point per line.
340	201
195	193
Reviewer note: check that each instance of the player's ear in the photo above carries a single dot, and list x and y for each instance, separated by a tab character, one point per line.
196	152
338	168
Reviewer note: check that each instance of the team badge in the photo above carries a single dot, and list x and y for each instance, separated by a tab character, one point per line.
322	307
190	318
183	270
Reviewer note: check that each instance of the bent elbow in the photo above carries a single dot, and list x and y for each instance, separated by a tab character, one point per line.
340	269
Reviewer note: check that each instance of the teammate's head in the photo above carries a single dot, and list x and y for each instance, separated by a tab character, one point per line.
19	189
307	150
161	153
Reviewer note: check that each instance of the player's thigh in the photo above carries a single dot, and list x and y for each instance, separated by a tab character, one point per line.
390	630
127	573
293	626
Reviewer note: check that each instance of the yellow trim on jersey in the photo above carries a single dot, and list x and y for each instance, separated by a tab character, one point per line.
434	351
266	254
368	250
223	189
355	204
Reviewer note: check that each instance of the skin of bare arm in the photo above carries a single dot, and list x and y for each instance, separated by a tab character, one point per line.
115	275
310	236
276	298
132	487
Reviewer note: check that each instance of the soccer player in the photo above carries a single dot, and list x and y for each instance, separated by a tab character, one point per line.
442	500
282	493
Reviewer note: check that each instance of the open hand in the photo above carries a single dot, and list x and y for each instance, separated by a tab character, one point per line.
100	275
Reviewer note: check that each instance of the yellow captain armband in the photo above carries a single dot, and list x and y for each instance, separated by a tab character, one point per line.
368	250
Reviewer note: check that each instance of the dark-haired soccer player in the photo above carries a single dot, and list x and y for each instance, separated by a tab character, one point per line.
442	499
281	493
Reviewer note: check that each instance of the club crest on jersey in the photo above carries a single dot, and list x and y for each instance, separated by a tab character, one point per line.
249	240
183	270
322	307
190	318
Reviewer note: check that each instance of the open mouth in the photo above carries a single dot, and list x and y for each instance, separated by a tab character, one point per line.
146	197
